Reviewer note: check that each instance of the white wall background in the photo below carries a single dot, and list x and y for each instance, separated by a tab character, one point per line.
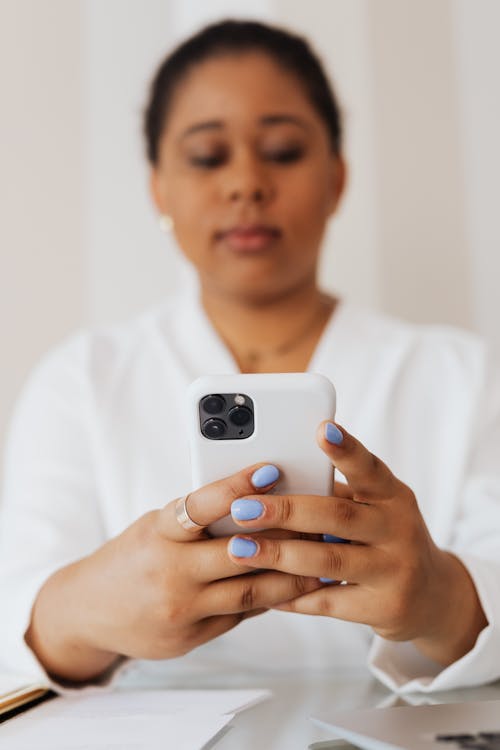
418	233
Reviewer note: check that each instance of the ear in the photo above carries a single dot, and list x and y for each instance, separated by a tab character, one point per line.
157	191
338	179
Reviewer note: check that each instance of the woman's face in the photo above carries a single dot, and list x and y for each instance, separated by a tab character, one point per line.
247	174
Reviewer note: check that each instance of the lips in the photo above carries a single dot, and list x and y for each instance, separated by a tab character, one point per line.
249	238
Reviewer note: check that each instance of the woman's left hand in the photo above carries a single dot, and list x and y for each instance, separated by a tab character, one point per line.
397	580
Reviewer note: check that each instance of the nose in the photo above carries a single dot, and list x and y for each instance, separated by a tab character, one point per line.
253	195
247	182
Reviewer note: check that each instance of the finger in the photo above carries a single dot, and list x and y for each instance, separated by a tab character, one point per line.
367	476
213	501
312	514
348	602
341	562
247	593
342	490
207	561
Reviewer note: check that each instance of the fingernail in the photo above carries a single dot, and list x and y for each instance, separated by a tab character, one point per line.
246	510
265	475
242	547
333	434
334	539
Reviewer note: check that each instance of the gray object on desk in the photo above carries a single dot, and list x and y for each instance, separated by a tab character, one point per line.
438	727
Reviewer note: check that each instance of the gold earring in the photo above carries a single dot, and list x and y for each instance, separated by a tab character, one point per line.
166	223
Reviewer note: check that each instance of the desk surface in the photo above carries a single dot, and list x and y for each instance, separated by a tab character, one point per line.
281	723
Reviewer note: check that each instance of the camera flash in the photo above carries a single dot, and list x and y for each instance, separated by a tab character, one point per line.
239	400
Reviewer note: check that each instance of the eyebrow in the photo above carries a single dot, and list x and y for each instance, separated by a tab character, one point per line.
278	119
275	119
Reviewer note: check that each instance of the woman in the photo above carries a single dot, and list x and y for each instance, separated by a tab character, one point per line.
102	562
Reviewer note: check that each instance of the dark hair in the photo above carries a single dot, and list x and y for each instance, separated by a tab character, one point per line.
289	50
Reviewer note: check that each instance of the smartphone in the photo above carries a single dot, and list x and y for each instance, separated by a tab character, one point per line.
238	420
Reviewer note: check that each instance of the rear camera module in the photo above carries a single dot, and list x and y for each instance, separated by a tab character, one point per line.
226	416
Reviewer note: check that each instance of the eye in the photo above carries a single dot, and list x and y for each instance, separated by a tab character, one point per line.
207	161
284	155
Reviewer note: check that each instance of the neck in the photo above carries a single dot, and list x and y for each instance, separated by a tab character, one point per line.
261	335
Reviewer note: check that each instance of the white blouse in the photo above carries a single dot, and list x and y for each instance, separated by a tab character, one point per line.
99	437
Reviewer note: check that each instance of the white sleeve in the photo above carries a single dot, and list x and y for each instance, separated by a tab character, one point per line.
476	541
50	512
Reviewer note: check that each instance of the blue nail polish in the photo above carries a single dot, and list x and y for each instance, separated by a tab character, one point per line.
265	475
242	547
246	510
334	539
333	434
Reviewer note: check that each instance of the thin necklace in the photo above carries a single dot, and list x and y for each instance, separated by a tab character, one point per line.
253	357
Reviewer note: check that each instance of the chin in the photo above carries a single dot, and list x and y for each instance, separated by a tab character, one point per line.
258	291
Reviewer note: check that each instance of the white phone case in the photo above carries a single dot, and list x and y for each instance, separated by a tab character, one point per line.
288	408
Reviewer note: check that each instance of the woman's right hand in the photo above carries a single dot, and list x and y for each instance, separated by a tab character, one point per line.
156	591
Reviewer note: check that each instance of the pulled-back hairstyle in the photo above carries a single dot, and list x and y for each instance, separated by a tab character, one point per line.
290	51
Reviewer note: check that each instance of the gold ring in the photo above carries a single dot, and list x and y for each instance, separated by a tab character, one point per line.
183	516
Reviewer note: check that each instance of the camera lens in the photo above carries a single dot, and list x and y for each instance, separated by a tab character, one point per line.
213	404
240	416
214	428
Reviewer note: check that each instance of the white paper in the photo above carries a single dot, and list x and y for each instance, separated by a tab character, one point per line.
135	720
154	702
183	731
